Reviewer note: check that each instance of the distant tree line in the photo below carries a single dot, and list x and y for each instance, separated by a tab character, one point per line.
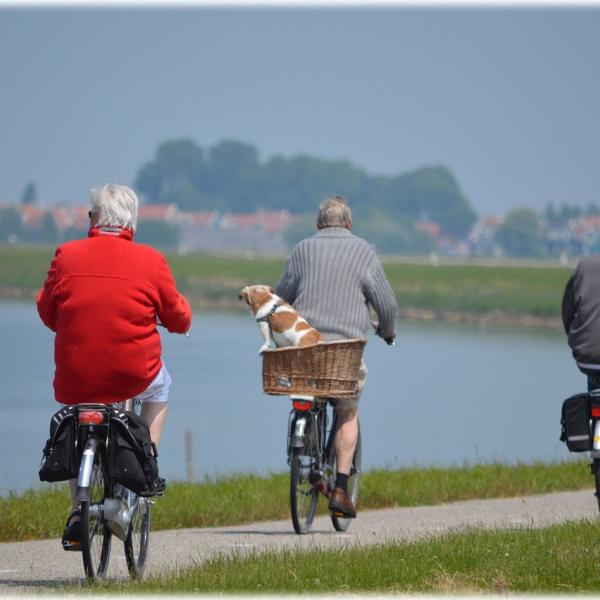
520	234
229	176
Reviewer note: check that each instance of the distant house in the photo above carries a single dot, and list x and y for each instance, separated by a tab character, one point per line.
587	232
271	222
169	213
481	239
429	227
260	231
206	231
201	220
31	215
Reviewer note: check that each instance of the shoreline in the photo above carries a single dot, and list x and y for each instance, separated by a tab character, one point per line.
225	304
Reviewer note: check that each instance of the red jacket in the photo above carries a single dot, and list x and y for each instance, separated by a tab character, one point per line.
101	297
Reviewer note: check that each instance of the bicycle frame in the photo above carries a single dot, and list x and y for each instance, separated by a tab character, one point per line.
117	511
89	439
308	427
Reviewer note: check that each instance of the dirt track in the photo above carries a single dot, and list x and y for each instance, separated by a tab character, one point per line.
29	566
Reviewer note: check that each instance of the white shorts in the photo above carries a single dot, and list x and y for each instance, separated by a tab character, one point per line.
158	390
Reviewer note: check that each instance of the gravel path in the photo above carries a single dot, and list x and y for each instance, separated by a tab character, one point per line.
29	566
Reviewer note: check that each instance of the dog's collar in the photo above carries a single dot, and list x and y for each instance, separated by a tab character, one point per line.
266	318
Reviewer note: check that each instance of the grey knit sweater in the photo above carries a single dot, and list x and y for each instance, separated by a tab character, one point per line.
331	278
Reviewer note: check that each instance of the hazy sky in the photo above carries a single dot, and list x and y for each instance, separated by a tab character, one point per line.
509	99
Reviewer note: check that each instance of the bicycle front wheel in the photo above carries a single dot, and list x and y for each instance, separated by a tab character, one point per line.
339	523
303	495
136	542
95	533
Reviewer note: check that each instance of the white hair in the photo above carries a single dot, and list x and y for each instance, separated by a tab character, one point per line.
334	212
114	206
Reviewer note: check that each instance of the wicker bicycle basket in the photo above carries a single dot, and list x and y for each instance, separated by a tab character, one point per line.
326	370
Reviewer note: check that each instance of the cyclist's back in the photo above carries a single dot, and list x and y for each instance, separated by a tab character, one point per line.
331	278
581	314
102	297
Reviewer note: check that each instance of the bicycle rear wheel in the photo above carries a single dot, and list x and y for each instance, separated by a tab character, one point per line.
303	495
339	523
137	540
595	467
95	533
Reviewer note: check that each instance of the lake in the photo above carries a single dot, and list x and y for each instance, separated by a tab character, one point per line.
446	394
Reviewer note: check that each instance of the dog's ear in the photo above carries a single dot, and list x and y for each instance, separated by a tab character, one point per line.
271	290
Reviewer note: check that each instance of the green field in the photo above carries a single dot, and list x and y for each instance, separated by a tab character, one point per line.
213	281
241	499
560	559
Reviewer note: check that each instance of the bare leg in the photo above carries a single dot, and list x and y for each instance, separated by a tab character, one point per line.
154	414
345	438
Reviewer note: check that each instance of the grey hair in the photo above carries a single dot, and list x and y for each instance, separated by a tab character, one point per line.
114	206
334	212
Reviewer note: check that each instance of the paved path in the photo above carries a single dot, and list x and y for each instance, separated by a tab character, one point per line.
28	566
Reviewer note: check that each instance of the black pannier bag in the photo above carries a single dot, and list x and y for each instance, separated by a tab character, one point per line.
131	455
575	422
60	458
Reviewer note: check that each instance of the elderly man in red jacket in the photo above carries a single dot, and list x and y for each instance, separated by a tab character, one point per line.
102	297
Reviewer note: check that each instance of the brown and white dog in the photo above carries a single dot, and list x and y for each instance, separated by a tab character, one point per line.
276	317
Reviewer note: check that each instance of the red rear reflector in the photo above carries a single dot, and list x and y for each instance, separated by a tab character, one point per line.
596	411
91	417
302	404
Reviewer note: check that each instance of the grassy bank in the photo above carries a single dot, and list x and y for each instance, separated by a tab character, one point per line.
212	281
560	559
247	498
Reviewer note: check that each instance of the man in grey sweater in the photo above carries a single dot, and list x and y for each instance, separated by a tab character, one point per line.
331	279
581	317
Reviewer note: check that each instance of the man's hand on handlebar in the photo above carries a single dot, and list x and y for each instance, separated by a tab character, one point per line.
390	341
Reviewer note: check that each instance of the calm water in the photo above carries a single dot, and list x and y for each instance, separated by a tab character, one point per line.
444	395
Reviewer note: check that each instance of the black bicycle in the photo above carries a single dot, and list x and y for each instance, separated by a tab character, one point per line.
311	457
107	508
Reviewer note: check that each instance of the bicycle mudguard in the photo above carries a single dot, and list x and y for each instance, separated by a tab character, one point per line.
85	470
298	432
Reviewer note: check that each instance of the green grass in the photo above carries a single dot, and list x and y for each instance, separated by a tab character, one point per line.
216	281
518	290
248	498
559	559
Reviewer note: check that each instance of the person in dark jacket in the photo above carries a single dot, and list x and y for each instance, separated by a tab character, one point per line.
333	278
581	317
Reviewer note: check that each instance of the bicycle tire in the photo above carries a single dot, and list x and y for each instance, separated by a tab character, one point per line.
596	472
138	538
303	495
339	523
95	533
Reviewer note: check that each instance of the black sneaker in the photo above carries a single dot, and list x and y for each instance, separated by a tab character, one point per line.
158	488
71	539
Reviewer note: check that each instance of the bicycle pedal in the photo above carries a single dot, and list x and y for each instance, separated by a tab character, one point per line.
71	546
337	513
